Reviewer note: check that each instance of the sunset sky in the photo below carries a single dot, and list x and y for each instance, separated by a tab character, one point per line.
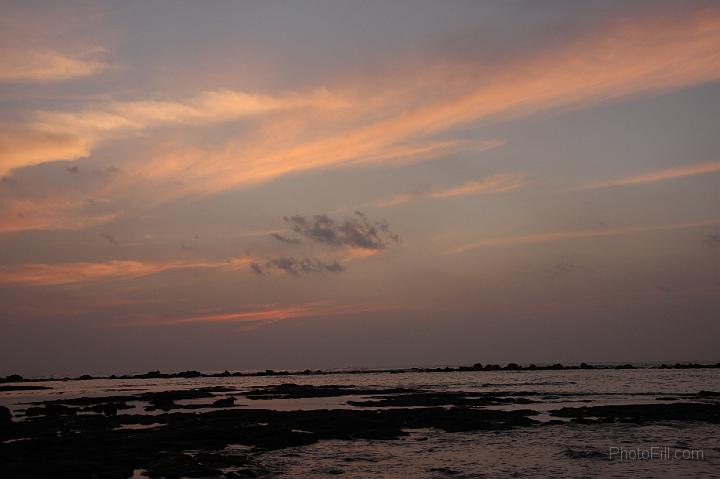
326	184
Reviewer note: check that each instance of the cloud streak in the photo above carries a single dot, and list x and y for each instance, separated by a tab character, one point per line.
656	176
373	123
577	234
284	239
85	272
46	65
624	58
52	213
274	313
500	183
69	135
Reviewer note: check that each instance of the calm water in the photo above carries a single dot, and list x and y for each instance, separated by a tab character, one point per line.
568	450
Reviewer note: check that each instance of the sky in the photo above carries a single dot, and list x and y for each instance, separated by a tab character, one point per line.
332	184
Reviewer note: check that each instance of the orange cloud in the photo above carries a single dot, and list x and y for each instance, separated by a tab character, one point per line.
500	183
69	273
71	135
622	59
50	214
22	65
380	123
207	107
273	313
21	147
661	175
577	234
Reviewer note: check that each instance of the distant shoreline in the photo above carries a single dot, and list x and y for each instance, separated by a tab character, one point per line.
477	367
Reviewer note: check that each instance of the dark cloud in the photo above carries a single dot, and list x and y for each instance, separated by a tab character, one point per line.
73	169
6	180
713	239
110	238
298	266
187	247
192	246
285	239
356	231
257	269
563	268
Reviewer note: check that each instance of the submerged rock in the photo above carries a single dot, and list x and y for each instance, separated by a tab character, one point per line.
637	413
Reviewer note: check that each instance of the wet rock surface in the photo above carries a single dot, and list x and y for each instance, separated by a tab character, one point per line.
96	437
640	413
442	399
92	446
23	388
297	391
5	415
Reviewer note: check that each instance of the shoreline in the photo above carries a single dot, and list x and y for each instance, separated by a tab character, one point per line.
477	367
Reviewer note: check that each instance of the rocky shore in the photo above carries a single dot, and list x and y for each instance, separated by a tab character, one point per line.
96	437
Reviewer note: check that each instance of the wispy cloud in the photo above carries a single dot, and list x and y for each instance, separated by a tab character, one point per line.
624	58
273	313
500	183
577	234
655	176
68	135
52	213
27	146
371	122
285	239
46	65
713	239
207	107
70	273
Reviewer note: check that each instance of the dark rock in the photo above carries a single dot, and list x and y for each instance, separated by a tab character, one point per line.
51	410
444	398
13	378
109	409
23	388
707	394
175	466
91	445
5	415
296	391
584	420
585	454
224	402
638	413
